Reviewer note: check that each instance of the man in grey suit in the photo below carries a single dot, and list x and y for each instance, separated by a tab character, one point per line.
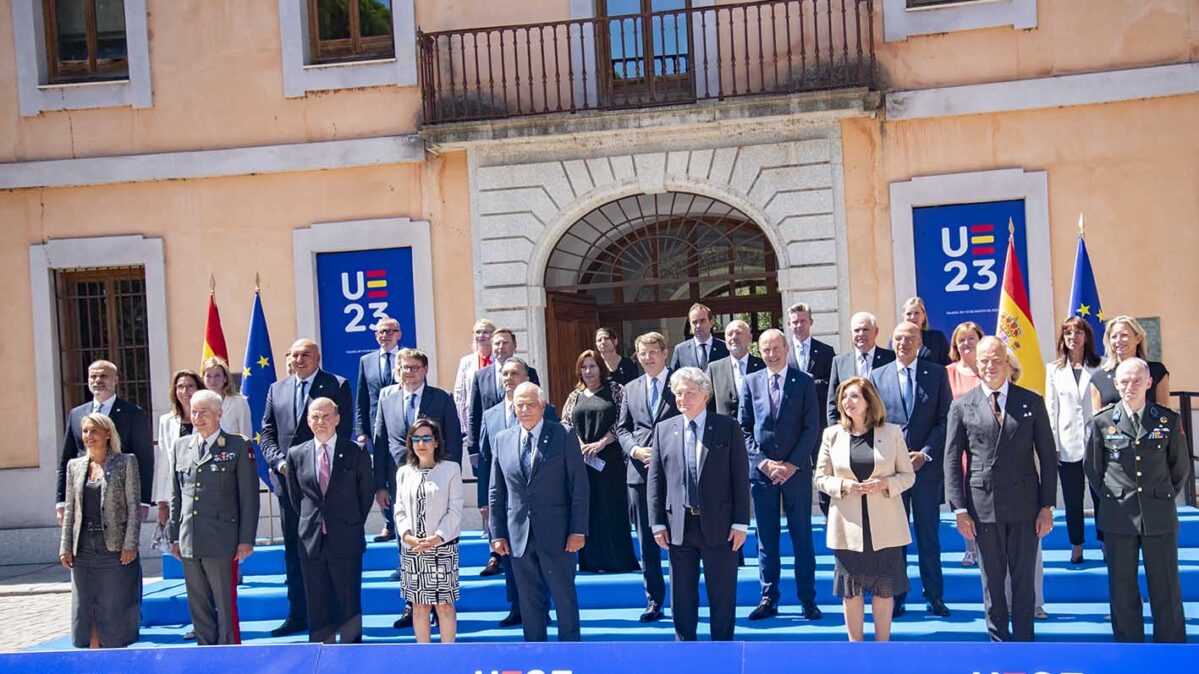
1000	433
208	534
538	509
702	348
699	505
728	373
865	355
376	371
917	396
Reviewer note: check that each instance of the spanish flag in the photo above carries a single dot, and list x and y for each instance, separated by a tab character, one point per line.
1015	325
214	336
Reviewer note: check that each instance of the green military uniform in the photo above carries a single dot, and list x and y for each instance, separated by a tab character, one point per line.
1138	466
214	508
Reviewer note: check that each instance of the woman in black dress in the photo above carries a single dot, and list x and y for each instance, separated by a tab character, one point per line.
1125	338
621	369
591	411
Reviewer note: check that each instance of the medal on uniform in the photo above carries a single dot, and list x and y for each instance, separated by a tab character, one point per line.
1111	429
1163	420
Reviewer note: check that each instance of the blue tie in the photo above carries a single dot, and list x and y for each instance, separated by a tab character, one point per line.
387	378
689	442
653	398
526	455
907	391
300	400
410	413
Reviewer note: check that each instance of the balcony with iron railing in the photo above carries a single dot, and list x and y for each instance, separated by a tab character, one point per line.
663	58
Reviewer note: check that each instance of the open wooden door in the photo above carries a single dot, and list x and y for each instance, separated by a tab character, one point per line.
570	323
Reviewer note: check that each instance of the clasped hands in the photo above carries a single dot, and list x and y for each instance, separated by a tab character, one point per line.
871	486
778	471
418	544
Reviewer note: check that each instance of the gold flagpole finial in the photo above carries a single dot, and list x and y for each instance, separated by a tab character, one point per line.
211	284
1011	229
1081	228
257	282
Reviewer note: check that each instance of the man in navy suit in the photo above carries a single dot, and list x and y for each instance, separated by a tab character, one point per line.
488	388
727	373
538	509
858	361
495	420
699	505
399	406
330	484
285	424
917	396
812	356
780	419
702	348
375	371
133	427
647	402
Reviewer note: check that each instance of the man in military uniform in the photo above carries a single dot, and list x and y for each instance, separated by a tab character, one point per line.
217	468
1137	461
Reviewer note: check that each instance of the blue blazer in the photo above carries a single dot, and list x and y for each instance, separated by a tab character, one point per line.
391	429
635	426
493	425
794	436
845	366
723	479
924	430
483	396
552	503
370	382
280	428
686	354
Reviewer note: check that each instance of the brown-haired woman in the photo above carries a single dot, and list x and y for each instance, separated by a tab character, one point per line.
171	426
621	368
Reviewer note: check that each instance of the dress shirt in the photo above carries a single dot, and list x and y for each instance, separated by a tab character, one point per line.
904	380
391	375
209	441
857	362
535	432
1138	413
663	382
740	365
105	407
782	375
699	452
418	394
803	353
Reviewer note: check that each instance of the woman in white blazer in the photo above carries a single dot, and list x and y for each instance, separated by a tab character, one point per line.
235	409
1067	395
171	426
428	519
864	468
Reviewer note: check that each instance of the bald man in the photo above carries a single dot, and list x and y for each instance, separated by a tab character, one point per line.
728	373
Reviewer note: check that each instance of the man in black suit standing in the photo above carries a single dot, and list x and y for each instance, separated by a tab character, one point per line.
702	348
330	484
858	361
699	505
375	371
133	427
488	388
727	374
917	396
647	402
285	424
1000	433
812	356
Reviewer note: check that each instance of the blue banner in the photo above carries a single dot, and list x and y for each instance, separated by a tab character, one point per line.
355	289
959	260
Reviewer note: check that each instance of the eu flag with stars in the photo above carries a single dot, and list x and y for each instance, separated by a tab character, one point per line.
1084	296
257	375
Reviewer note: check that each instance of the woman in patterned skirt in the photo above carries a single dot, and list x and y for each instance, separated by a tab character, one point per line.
428	518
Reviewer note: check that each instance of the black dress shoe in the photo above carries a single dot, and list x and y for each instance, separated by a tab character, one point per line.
384	536
938	608
1076	559
288	628
396	575
492	568
767	609
897	610
405	619
811	611
653	613
511	620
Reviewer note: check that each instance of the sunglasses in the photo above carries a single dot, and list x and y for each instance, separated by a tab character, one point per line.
421	438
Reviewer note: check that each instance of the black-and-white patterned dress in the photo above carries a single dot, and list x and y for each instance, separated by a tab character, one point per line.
429	577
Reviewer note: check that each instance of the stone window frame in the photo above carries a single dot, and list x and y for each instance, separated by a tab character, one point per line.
901	22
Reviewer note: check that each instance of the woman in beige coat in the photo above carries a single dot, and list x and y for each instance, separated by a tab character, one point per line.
864	468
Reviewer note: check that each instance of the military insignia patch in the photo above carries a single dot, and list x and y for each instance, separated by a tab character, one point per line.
220	441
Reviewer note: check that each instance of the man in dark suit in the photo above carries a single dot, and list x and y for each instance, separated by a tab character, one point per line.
133	427
917	396
702	348
812	356
647	403
699	505
538	509
858	361
330	484
1001	433
727	373
1138	461
376	371
487	390
780	419
399	406
285	424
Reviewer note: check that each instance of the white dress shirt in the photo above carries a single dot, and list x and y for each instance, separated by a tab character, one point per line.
740	366
699	420
803	352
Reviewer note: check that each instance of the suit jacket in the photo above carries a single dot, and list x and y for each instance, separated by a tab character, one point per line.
820	366
493	424
227	516
635	425
133	427
342	509
443	501
391	427
1009	473
552	502
723	479
686	354
1137	475
834	473
483	396
924	429
844	367
370	382
1069	405
793	435
120	490
282	430
726	394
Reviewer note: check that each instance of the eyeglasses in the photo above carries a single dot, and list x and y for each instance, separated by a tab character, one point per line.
416	439
411	368
386	331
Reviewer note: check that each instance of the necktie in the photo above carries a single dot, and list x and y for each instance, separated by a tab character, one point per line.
508	416
323	471
97	407
775	396
1136	424
386	377
690	442
739	374
410	410
653	397
301	395
499	384
526	455
863	365
907	391
995	409
803	356
703	356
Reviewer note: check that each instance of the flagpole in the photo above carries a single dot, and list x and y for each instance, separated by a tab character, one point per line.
1011	230
212	285
257	283
1081	228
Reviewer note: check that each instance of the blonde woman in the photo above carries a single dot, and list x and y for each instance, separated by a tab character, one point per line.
235	409
1124	338
934	347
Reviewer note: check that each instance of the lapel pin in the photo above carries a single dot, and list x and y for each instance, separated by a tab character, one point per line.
1164	420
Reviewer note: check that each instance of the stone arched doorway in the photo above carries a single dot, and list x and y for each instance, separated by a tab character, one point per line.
638	263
